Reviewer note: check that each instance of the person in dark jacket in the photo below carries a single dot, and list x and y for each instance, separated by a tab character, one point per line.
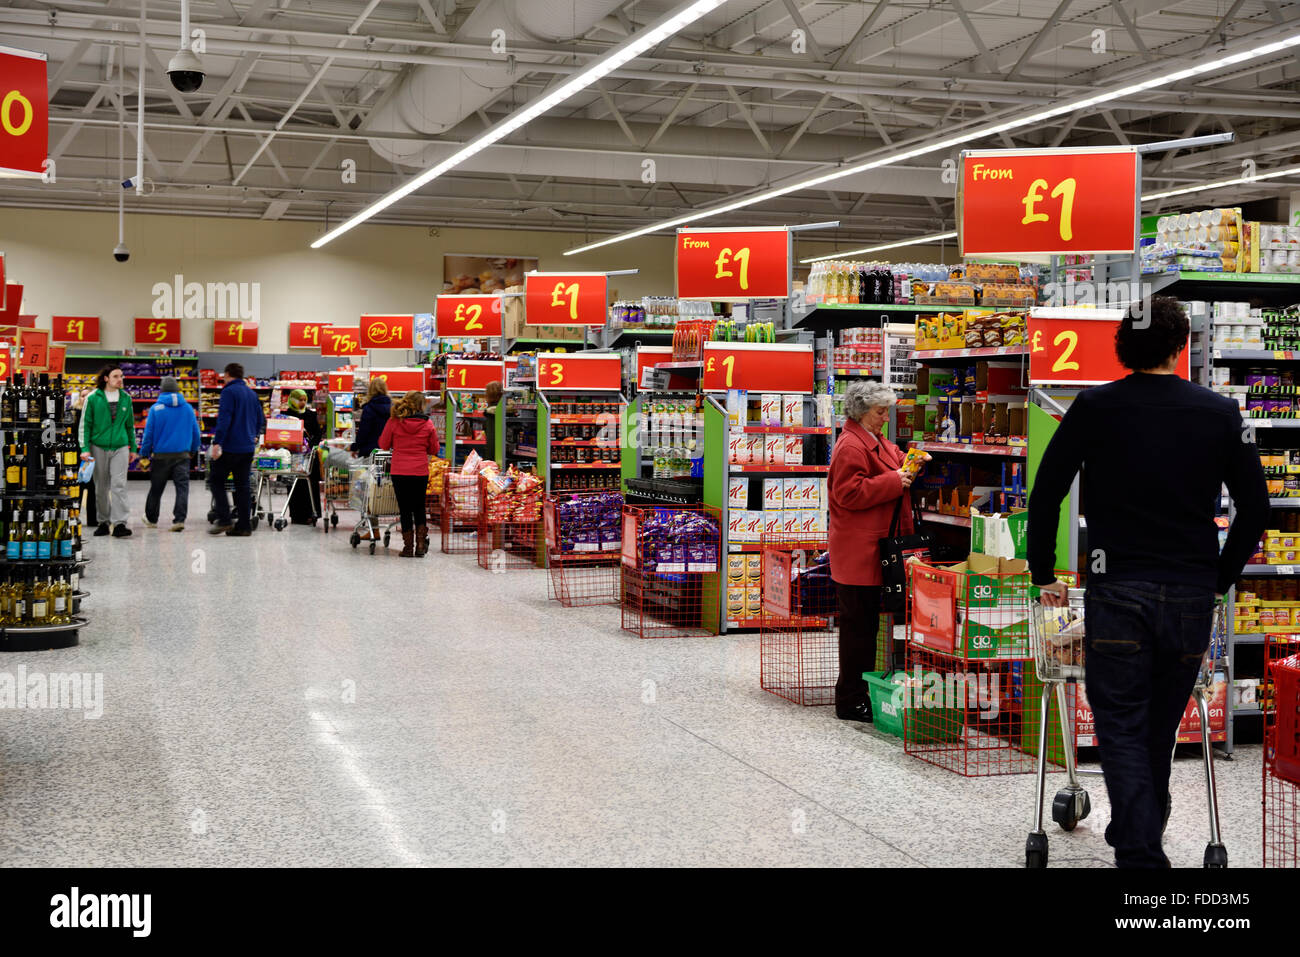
89	517
413	439
240	424
1154	452
305	495
374	416
171	437
492	392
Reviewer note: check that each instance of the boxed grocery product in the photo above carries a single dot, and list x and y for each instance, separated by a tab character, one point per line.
702	557
737	408
1001	536
790	492
825	406
807	524
736	522
820	522
737	492
753	602
754	527
822	496
773	493
737	447
792	411
793	450
774	453
754	568
735	568
755	449
735	602
773	523
792	527
809	494
769	409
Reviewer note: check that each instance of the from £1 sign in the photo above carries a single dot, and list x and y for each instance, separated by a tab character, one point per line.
733	263
24	112
1073	350
471	375
340	341
388	332
306	335
758	367
1060	201
239	335
74	329
565	299
461	317
157	332
566	371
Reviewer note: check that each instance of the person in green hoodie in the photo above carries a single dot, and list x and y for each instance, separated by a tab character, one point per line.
107	434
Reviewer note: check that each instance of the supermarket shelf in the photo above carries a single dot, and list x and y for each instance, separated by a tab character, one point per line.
791	469
1251	571
945	519
583	443
159	375
1247	710
1274	423
881	307
790	429
1279	288
586	465
567	419
823	622
735	547
990	352
1247	638
523	453
681	368
1292	502
1255	355
960	447
470	442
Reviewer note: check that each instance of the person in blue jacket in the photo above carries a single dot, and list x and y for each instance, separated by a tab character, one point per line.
374	416
240	425
171	437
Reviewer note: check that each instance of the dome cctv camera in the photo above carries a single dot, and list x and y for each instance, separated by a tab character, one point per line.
185	71
121	253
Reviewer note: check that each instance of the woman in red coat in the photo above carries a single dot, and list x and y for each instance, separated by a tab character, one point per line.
413	439
865	487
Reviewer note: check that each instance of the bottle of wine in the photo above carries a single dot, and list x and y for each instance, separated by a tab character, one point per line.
47	394
35	402
45	544
20	399
60	603
7	406
71	462
50	461
40	591
13	468
64	536
20	595
31	534
14	537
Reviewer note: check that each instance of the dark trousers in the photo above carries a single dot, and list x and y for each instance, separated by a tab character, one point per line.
236	465
1145	642
91	507
409	490
171	467
859	607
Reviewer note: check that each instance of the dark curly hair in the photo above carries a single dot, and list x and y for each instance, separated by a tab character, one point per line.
1146	341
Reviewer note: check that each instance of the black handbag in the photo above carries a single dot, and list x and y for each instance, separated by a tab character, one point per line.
894	553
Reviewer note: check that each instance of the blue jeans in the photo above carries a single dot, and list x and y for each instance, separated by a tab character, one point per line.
1145	642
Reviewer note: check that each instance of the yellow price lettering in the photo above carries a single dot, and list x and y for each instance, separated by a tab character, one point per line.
709	367
1036	342
470	316
338	339
556	371
1065	188
312	333
1071	340
77	327
11	98
730	363
741	256
463	374
236	329
562	290
158	330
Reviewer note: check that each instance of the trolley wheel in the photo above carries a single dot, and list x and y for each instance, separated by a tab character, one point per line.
387	536
1087	806
1216	856
280	524
1064	811
334	519
355	539
372	548
255	521
1036	852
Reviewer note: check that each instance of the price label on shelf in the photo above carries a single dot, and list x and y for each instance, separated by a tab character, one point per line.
564	371
471	375
565	299
1286	569
77	329
1047	201
468	316
341	341
234	335
306	335
758	367
157	332
733	263
387	332
1078	351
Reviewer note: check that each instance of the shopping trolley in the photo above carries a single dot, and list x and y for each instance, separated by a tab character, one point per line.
230	494
1057	644
371	494
270	474
333	487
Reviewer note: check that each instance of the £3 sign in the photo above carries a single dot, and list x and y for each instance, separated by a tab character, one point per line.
565	299
584	373
733	263
24	112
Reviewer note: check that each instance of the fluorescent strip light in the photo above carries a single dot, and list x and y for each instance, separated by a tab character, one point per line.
637	45
1028	119
935	238
1290	170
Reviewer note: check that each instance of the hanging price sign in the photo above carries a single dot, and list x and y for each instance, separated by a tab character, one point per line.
74	329
13	304
1014	202
387	332
306	335
340	381
33	349
468	316
24	111
157	332
565	299
6	360
1067	347
647	357
758	367
400	381
340	341
469	375
565	371
733	263
57	360
238	335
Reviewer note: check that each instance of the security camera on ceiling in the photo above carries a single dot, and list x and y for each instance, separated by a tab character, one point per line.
121	253
185	71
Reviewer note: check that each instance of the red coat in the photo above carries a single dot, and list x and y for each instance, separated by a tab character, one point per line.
864	486
412	440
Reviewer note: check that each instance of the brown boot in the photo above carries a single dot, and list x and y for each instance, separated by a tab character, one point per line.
421	541
408	544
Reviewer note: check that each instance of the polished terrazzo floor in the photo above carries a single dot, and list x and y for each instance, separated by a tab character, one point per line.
286	700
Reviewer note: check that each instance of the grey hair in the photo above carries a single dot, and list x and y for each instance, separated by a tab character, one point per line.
861	397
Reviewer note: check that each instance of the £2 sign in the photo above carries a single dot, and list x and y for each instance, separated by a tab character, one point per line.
24	112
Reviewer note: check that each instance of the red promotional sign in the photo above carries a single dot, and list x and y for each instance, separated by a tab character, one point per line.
13	304
628	547
33	349
1065	348
1014	202
340	341
400	381
650	356
306	335
25	322
238	335
157	332
74	329
733	263
758	367
340	381
6	367
24	112
467	316
565	299
387	332
57	360
565	371
473	375
776	582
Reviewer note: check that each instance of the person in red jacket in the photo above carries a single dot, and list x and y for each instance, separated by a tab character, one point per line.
413	439
866	487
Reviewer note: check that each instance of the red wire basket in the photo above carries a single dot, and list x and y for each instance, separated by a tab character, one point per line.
1281	799
799	645
458	516
584	533
671	561
509	528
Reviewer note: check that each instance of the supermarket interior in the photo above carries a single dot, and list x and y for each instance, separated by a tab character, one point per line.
602	433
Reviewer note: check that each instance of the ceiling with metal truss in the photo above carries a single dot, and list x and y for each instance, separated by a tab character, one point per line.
311	109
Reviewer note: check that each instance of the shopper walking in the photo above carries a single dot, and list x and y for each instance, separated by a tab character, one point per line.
374	416
492	392
171	438
413	439
867	491
85	489
1154	452
240	425
305	498
107	434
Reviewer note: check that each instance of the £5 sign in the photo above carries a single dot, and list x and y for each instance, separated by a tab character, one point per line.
24	112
